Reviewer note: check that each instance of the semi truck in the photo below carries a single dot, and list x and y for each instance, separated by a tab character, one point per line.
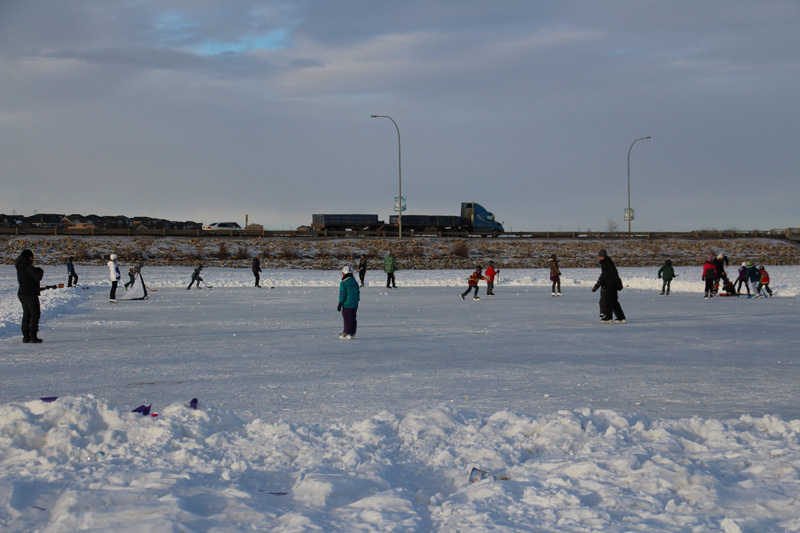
474	218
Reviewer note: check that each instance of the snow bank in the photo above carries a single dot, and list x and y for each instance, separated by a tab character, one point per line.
80	463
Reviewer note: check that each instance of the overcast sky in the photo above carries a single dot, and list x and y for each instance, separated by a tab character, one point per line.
208	110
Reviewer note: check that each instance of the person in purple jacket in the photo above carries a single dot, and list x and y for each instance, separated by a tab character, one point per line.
742	279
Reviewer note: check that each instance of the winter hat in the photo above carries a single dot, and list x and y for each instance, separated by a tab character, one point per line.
710	257
602	253
744	264
720	256
491	263
113	257
749	263
478	267
26	253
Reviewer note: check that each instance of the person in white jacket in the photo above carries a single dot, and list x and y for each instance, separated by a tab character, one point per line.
114	276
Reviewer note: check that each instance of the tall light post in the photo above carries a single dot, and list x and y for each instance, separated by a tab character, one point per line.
399	206
630	213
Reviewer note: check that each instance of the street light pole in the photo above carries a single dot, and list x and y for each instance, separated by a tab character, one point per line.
399	178
630	215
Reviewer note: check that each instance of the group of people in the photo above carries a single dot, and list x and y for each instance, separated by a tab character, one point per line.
752	277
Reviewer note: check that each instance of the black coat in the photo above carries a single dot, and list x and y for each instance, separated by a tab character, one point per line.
609	277
28	276
256	265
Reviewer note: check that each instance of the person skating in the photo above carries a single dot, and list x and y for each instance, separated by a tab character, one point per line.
753	277
29	277
555	276
72	277
763	282
132	271
491	274
390	267
720	262
257	270
472	283
114	276
742	280
709	276
667	274
610	283
196	277
349	295
362	268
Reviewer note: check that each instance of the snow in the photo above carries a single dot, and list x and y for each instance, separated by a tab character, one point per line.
683	419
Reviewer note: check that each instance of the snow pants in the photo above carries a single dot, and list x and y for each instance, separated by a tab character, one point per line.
350	322
709	286
490	288
113	294
31	312
609	305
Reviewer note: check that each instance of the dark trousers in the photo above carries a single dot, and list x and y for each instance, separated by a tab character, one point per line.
194	279
709	286
258	278
361	275
739	284
113	295
469	289
72	279
490	288
390	279
556	285
609	305
131	280
30	316
350	322
665	286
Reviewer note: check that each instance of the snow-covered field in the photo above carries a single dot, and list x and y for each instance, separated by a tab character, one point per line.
684	419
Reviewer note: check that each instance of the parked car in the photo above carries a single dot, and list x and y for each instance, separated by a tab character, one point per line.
222	226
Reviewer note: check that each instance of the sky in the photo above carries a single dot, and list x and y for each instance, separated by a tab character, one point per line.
211	110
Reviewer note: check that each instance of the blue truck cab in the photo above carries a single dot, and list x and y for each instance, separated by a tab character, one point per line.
479	219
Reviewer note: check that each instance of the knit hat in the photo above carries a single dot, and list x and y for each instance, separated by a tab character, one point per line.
26	253
602	253
749	263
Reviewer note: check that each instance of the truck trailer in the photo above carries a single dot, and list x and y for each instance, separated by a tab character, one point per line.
473	218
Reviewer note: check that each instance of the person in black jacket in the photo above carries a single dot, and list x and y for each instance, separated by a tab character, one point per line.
610	283
29	277
362	268
257	270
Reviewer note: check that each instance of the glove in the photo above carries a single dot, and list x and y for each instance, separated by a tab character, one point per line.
594	289
339	308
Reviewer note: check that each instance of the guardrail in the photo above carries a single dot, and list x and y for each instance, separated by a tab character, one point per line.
789	233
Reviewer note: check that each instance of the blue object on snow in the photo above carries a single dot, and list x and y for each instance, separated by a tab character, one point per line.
193	403
49	399
143	409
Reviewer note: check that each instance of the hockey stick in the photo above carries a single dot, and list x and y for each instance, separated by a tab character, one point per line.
207	285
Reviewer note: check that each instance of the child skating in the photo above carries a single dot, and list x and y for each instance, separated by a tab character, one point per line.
472	283
667	274
349	295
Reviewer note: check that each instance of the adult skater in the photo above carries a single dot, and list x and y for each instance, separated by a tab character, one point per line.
610	283
555	275
666	273
256	270
349	295
196	277
491	274
710	276
362	268
114	276
29	277
390	267
72	277
720	262
472	283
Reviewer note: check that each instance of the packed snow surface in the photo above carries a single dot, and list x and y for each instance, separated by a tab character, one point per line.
683	419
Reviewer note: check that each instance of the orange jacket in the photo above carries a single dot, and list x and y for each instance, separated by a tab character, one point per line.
474	278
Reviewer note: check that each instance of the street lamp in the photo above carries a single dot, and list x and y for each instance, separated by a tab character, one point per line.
630	213
399	178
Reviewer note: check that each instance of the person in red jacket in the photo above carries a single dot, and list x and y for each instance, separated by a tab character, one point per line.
472	282
491	273
709	274
763	283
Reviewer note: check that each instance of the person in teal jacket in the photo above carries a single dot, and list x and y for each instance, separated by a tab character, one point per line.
666	273
390	266
753	276
349	295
